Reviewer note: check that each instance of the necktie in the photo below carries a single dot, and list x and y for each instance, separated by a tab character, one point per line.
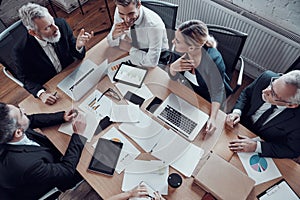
133	37
56	49
260	121
56	59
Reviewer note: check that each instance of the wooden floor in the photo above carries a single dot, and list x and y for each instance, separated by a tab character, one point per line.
95	18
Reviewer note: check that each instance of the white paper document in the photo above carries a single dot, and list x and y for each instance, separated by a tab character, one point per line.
125	113
128	152
187	163
258	168
154	172
279	191
145	133
92	123
100	106
143	91
144	129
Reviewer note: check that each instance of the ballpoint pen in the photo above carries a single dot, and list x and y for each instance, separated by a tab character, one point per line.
55	93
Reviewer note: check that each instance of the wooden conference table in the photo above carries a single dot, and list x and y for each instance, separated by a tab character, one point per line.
160	85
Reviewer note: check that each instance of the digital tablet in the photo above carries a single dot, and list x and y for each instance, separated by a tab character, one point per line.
130	74
105	156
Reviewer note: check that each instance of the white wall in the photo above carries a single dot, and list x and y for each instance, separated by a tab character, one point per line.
285	13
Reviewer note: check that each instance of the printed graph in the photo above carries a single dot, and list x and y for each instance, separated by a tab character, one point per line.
258	163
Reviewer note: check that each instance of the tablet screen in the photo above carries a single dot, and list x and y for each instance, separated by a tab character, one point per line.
131	75
105	156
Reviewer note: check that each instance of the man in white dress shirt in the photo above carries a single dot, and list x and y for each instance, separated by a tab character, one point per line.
131	18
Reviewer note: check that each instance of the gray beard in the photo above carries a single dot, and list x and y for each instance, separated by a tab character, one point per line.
53	39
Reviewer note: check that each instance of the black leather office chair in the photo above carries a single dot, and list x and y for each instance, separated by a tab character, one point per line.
8	38
167	12
2	26
295	65
230	45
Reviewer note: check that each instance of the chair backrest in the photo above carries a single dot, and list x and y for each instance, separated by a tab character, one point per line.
295	65
167	12
8	38
230	44
2	26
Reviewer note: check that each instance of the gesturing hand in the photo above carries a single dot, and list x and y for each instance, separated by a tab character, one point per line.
82	38
120	29
181	64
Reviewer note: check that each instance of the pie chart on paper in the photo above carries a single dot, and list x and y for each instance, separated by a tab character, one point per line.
258	163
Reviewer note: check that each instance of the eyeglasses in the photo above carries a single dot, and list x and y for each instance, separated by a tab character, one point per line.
110	93
274	95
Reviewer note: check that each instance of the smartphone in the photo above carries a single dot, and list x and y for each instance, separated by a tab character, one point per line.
133	98
103	124
154	104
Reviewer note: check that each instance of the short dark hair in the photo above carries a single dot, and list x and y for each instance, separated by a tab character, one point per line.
126	3
8	125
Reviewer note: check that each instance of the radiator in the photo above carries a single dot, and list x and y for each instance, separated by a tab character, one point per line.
264	48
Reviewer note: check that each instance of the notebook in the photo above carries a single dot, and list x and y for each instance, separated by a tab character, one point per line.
82	79
183	117
223	180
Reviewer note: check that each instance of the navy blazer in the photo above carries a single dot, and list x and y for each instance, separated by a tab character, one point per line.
28	172
33	66
281	134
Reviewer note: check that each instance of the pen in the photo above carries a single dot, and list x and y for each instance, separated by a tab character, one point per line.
151	197
54	94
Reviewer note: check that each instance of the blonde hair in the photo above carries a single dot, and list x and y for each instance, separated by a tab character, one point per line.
195	32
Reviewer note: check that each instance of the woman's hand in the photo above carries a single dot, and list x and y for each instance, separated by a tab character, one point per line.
181	64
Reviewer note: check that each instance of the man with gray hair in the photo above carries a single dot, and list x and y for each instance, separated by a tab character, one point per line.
269	107
48	48
139	31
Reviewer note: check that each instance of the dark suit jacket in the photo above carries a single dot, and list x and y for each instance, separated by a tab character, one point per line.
281	134
33	66
28	172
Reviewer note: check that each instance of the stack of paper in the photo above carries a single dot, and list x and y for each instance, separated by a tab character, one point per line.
164	144
146	133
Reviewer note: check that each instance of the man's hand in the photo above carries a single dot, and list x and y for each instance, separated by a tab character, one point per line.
242	144
79	124
232	119
119	30
125	45
70	115
181	64
82	38
48	98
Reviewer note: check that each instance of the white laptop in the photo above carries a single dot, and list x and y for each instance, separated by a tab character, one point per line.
83	78
183	117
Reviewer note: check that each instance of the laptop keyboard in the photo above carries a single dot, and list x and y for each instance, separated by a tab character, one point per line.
177	119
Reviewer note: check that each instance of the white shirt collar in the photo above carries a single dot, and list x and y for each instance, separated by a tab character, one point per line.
24	141
43	43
